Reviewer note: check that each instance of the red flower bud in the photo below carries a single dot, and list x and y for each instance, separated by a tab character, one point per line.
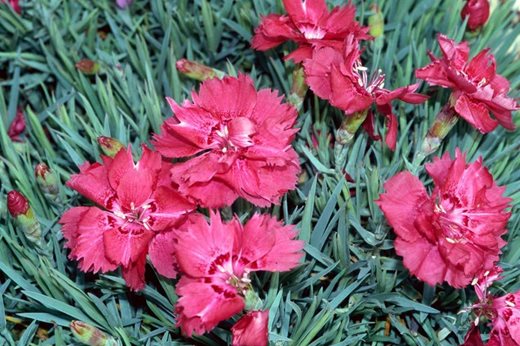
87	66
197	70
17	126
17	203
478	12
251	329
109	145
41	170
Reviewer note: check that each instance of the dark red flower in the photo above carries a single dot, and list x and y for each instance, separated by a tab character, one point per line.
476	89
453	235
17	126
17	204
310	24
341	78
477	11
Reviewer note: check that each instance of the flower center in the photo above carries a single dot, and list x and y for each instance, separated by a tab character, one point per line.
141	215
376	82
234	276
234	135
313	32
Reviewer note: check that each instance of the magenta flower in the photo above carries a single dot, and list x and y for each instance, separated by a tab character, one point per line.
309	23
217	259
237	141
136	213
343	80
252	329
17	126
454	234
476	89
503	313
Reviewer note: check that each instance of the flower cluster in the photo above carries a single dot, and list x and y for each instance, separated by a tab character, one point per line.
234	141
328	48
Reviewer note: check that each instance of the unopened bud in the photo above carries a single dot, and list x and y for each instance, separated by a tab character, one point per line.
47	180
197	71
17	204
17	126
298	88
88	66
109	145
376	22
90	335
23	214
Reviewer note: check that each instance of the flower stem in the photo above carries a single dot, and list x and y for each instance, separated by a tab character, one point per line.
345	135
442	125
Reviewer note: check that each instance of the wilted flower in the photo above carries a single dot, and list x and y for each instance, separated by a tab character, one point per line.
46	179
251	329
136	212
87	66
217	259
343	80
238	140
454	234
197	70
90	335
109	145
477	11
123	3
309	24
23	214
17	126
476	88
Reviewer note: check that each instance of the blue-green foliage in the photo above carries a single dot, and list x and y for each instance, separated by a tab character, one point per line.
351	289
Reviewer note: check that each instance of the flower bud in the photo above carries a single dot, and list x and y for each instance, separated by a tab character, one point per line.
47	180
17	126
478	12
88	66
197	71
90	335
376	22
109	145
251	329
299	88
17	204
23	214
